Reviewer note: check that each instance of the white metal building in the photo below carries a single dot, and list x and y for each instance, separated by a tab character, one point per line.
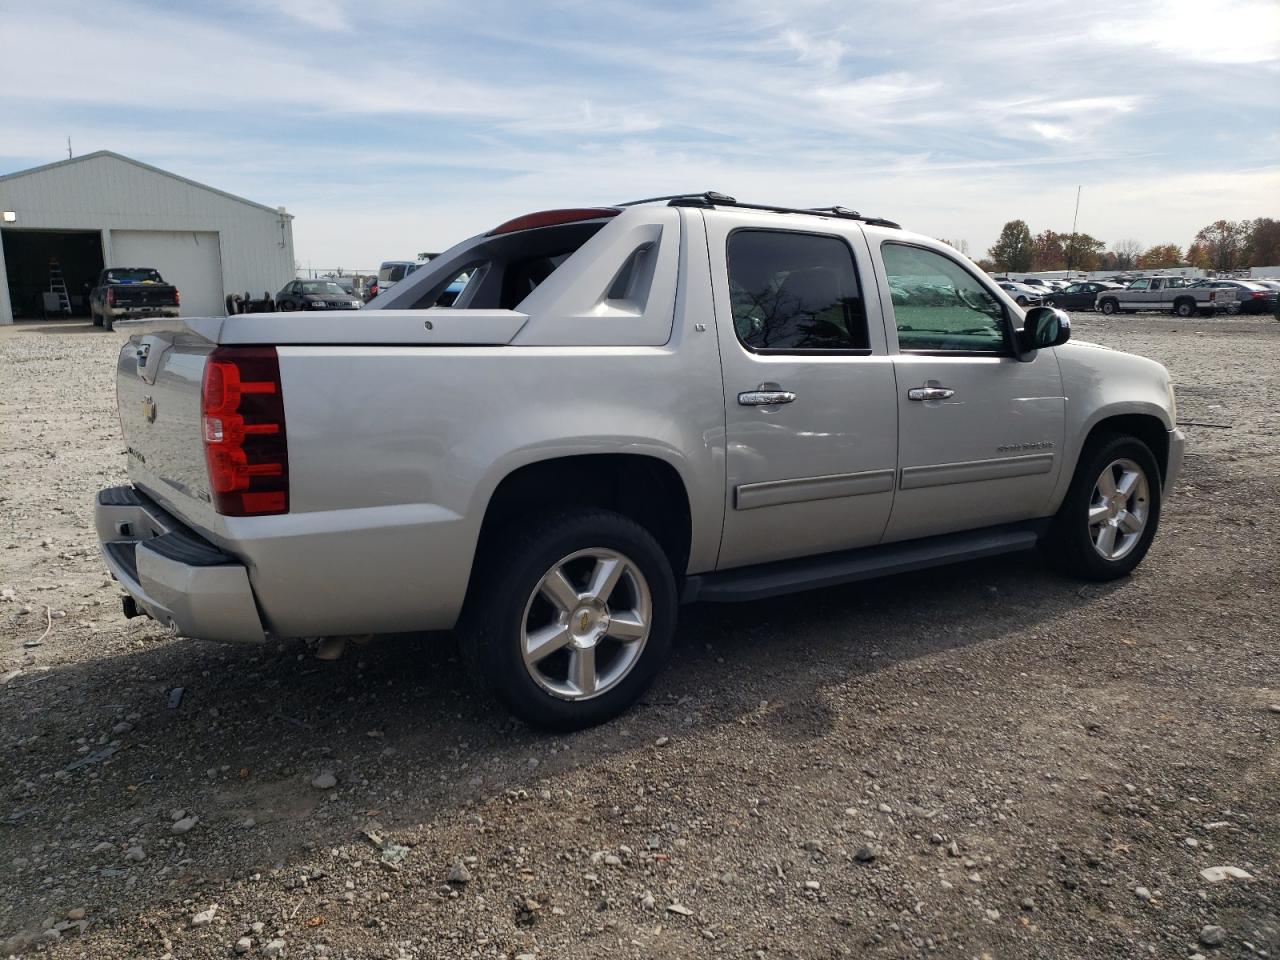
74	217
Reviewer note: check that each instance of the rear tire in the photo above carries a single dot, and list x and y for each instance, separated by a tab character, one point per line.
1111	512
95	317
107	322
536	587
1185	308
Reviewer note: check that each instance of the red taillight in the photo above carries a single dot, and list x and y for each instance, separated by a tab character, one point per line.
1258	295
550	218
245	447
111	297
177	298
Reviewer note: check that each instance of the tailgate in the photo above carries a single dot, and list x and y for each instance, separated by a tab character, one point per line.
143	294
158	382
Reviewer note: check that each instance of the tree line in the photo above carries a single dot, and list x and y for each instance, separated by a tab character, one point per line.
1222	245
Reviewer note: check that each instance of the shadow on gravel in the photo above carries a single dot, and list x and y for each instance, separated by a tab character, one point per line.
407	732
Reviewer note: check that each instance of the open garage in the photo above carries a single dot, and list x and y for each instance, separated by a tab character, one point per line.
62	223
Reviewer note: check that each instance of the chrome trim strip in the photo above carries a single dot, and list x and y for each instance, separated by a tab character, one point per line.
772	493
972	471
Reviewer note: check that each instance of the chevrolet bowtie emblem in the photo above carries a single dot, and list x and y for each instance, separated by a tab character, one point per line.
149	409
583	622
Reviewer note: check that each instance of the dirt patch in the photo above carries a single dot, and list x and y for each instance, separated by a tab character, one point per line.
983	759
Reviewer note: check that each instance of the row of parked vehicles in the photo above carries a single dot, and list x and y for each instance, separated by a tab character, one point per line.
1181	295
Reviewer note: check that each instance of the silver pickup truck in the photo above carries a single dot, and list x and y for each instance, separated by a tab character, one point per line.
1166	294
625	408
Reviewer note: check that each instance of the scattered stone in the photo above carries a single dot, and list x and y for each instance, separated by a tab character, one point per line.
647	901
1218	874
257	927
325	781
175	697
273	948
812	885
866	854
459	874
1191	842
662	741
184	825
1142	893
1213	936
884	808
953	849
124	726
681	909
993	915
204	917
76	914
104	847
244	945
135	854
1274	708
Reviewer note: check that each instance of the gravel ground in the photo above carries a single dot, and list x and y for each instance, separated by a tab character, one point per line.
978	761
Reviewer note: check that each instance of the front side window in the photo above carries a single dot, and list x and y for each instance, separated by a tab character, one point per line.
1139	284
938	305
795	292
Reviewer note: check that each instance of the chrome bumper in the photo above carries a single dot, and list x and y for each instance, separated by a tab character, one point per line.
173	575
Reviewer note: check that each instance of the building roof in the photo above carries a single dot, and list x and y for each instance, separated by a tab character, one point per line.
97	154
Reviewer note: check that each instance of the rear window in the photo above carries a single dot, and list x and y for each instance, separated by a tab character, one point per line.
392	272
133	276
498	272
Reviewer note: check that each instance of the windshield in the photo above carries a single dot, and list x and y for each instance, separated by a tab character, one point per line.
133	275
391	272
326	287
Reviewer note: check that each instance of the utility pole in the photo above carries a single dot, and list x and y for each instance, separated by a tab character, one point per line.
1071	242
68	148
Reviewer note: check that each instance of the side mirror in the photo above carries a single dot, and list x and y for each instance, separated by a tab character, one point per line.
1043	327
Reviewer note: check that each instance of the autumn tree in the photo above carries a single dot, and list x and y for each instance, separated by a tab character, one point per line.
1226	241
1082	251
1109	260
1264	243
1161	255
1126	252
1012	251
1047	252
1198	256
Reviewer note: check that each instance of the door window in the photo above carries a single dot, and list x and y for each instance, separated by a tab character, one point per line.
1139	284
795	293
938	305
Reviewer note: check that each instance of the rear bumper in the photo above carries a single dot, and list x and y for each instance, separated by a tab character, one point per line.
138	313
172	574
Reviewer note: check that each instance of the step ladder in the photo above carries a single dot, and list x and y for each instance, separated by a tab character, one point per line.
58	285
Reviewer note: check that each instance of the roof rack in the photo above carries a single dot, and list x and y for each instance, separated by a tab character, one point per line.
711	198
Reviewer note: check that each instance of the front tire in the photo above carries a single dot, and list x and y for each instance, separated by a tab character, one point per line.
1111	512
570	616
1109	307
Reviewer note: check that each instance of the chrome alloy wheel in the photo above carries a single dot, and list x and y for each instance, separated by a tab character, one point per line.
1118	509
586	624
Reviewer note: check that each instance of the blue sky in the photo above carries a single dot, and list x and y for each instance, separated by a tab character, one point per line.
389	127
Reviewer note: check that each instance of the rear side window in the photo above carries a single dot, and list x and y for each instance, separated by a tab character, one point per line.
795	292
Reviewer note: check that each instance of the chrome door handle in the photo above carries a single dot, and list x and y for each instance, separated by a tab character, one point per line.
930	393
765	398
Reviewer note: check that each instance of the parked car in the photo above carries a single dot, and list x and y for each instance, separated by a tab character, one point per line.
635	407
1168	294
1023	295
1080	296
130	293
316	295
1249	296
392	272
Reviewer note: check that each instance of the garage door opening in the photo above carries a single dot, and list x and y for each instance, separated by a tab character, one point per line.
34	260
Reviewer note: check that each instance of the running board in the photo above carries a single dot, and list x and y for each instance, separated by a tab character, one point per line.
829	569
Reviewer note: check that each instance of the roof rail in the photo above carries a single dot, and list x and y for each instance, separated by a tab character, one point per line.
711	198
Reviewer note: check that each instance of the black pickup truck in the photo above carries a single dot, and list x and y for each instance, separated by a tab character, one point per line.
124	293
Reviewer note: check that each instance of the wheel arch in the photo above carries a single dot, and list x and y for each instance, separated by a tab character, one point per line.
1146	426
643	487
